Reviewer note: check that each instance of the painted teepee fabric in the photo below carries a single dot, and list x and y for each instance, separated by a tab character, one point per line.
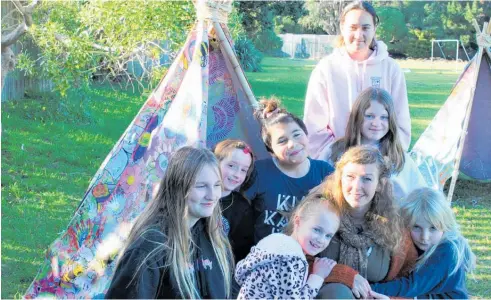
199	102
436	150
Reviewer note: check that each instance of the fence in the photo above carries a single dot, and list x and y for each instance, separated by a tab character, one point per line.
16	82
311	46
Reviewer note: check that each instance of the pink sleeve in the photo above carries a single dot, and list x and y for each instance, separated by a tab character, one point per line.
401	106
316	115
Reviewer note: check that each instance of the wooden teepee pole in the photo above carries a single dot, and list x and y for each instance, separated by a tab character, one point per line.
477	66
235	63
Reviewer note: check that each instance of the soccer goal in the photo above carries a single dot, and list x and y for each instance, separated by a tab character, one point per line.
439	47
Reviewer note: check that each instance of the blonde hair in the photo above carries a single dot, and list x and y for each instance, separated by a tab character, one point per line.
271	113
225	148
433	206
357	5
168	211
382	217
390	144
310	204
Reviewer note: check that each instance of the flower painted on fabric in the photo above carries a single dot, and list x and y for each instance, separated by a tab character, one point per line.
116	205
131	179
144	139
100	190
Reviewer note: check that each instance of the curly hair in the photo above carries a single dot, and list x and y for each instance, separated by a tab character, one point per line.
382	217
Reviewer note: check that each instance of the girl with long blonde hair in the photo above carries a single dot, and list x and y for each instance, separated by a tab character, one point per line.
177	247
445	255
277	266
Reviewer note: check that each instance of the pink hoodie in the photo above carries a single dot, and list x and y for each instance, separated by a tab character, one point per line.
333	87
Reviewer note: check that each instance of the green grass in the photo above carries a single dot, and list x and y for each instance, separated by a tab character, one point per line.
48	161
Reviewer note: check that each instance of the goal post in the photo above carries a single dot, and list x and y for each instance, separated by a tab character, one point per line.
457	44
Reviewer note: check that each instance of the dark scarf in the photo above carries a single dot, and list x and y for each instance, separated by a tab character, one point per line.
355	242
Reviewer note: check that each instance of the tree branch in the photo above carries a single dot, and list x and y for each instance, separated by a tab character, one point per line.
14	35
26	12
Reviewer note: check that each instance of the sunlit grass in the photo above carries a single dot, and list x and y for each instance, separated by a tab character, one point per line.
47	164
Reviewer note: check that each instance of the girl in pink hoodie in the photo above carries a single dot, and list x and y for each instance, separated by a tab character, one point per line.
359	62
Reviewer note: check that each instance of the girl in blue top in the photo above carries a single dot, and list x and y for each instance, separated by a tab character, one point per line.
445	255
283	180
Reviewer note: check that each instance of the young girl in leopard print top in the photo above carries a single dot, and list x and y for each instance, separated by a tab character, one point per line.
277	266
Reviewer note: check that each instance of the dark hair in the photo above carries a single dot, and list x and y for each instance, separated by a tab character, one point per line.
358	5
270	113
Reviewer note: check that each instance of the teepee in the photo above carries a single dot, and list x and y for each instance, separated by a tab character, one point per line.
459	137
203	99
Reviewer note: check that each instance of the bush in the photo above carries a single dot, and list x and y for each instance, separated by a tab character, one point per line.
417	44
267	41
249	57
301	51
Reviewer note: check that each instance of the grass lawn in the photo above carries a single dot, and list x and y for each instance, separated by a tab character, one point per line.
47	163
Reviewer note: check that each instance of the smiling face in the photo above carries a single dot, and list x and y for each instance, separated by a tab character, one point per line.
289	143
315	231
234	170
425	234
359	184
204	195
375	123
358	31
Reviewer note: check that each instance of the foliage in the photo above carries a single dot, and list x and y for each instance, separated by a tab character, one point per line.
267	41
262	20
249	57
441	20
323	15
247	54
392	26
235	27
287	25
406	22
78	39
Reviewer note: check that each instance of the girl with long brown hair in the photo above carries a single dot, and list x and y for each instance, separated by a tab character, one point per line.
177	247
358	62
372	121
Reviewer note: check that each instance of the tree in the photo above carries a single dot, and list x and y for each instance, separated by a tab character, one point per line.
259	19
11	36
323	15
392	26
80	39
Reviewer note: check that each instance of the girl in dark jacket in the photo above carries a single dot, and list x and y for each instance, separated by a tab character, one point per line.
177	248
237	166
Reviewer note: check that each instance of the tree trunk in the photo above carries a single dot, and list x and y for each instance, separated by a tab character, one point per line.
8	62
